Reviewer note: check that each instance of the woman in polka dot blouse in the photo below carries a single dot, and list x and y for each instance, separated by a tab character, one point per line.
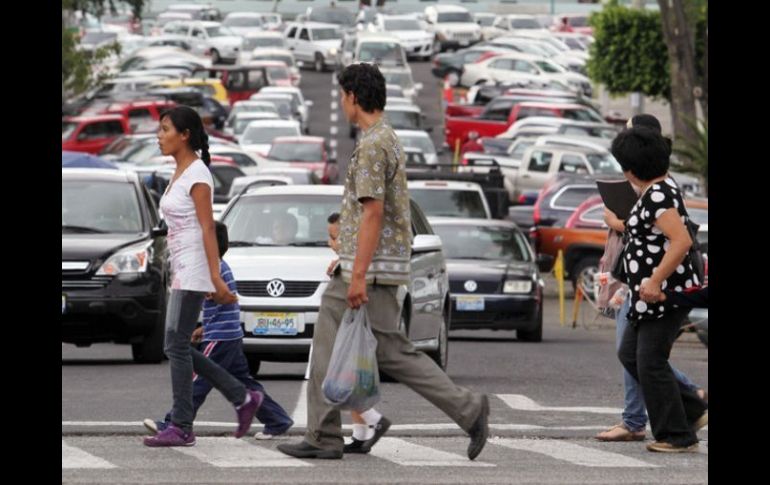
655	258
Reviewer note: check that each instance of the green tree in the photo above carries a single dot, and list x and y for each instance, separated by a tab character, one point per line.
77	69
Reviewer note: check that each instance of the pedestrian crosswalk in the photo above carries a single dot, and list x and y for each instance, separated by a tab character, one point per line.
82	453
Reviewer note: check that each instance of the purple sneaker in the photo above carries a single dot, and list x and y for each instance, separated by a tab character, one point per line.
247	411
171	436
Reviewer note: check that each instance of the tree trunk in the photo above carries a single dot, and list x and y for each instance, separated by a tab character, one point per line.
704	99
681	54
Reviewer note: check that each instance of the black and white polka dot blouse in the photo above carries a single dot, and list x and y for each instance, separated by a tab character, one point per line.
646	246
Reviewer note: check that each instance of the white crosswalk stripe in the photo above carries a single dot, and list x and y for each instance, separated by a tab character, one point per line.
72	457
233	453
571	452
409	454
520	402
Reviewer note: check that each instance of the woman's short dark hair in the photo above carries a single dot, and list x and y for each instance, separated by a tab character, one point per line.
223	241
334	218
642	151
367	83
184	119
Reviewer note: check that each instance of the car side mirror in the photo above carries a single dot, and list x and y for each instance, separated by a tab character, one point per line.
545	262
160	230
425	243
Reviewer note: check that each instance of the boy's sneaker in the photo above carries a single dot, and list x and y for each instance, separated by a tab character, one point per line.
154	427
171	436
246	412
272	433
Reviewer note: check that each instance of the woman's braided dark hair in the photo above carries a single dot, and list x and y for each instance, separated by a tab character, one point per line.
184	119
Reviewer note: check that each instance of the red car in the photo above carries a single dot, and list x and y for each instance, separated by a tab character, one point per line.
305	152
141	114
502	112
92	133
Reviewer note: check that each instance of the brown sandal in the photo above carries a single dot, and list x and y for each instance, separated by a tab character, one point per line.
619	432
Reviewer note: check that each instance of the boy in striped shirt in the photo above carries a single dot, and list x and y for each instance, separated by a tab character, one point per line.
222	337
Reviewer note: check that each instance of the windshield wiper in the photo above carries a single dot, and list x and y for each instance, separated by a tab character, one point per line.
92	230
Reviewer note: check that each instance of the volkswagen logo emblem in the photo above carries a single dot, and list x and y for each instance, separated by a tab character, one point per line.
276	288
470	286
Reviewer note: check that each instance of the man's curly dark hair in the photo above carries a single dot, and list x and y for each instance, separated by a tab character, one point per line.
367	83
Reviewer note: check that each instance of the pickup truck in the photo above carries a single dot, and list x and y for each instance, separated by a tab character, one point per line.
504	112
541	163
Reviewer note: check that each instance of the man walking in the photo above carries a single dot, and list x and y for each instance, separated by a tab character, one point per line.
375	248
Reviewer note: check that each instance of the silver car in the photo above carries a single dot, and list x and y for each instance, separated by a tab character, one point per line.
281	274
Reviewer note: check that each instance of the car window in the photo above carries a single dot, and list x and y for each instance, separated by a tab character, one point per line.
450	203
540	161
571	197
111	207
572	164
304	35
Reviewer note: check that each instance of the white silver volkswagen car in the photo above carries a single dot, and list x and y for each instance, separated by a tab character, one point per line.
279	256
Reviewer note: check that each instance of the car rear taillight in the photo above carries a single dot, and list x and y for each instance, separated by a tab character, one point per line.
464	161
522	199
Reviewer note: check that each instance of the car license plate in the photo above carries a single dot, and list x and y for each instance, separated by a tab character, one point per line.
470	303
63	303
273	323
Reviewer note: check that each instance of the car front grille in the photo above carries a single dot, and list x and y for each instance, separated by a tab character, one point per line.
293	289
483	287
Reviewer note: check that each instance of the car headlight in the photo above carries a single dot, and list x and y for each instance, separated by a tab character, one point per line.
332	51
132	259
517	286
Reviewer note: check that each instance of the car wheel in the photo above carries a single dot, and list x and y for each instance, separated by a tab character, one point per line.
441	355
150	349
583	274
254	364
535	335
319	63
215	57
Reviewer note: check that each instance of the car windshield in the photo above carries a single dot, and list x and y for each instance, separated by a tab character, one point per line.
379	51
422	142
262	135
402	24
282	105
286	59
454	17
402	79
604	163
699	216
582	115
281	220
296	152
242	122
243	22
460	241
251	43
449	203
485	21
219	31
99	207
278	72
326	34
67	129
403	120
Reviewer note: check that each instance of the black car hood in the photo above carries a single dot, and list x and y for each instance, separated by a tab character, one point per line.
88	247
487	270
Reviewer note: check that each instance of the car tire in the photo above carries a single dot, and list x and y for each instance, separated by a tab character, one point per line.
318	63
584	272
254	364
215	57
441	354
535	335
150	349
